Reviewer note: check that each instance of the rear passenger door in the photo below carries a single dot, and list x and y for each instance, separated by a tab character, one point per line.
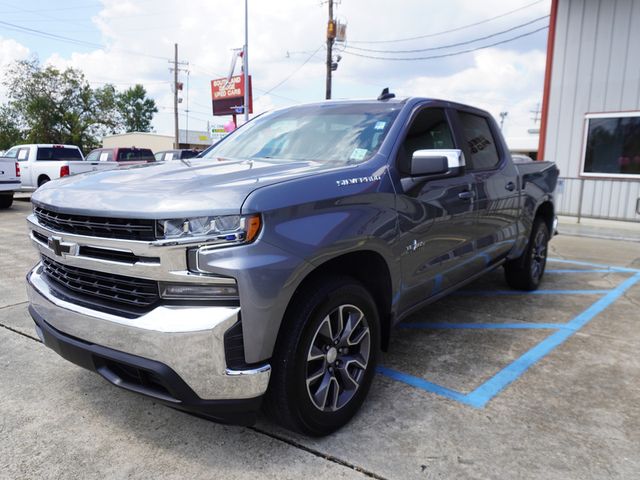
496	182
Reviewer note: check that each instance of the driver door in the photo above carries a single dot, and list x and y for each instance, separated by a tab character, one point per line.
437	216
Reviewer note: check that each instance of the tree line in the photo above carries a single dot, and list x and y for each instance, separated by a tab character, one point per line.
48	105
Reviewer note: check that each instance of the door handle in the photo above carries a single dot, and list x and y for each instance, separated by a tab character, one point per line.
510	186
465	195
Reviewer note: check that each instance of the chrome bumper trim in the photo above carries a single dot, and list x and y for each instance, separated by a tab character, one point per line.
188	339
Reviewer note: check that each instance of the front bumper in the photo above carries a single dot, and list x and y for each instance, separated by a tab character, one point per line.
182	348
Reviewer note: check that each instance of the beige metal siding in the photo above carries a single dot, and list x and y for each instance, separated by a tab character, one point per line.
596	68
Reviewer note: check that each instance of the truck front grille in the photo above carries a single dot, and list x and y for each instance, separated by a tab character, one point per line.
106	227
114	289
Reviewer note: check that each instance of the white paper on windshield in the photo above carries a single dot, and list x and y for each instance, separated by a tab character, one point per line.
168	156
379	125
358	154
22	154
104	156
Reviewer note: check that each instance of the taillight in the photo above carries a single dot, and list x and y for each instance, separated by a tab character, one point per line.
17	169
64	170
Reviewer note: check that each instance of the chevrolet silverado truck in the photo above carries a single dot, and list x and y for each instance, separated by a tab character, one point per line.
44	162
269	272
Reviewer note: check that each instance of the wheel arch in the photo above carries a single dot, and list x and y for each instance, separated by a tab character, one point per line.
367	267
546	211
42	177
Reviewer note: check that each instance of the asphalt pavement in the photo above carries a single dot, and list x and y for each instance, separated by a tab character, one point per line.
487	383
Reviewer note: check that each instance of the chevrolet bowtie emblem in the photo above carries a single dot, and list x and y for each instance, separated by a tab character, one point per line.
61	248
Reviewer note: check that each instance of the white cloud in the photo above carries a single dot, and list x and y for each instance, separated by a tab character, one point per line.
207	31
499	80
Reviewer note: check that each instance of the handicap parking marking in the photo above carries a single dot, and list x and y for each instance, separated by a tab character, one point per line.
479	397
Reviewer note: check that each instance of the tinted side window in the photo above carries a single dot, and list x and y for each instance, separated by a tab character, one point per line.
429	130
477	134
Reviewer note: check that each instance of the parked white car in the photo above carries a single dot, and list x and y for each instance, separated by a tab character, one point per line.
44	162
9	181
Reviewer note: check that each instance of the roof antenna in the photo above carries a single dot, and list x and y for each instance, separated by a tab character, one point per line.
385	95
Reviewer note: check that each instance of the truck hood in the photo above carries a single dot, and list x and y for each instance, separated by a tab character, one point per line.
171	189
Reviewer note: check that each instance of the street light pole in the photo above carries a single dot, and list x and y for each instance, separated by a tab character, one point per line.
245	61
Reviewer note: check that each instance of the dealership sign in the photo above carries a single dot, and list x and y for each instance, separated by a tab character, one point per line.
227	95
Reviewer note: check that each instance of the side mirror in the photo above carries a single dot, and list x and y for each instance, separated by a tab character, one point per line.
437	162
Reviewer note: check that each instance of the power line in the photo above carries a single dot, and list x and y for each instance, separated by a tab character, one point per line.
60	38
432	57
457	29
284	80
451	45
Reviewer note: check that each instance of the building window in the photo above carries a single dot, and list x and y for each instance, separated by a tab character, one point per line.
612	145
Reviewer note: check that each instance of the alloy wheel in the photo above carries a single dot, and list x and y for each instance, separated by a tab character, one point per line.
337	358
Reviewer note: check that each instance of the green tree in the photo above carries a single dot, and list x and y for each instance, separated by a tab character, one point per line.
136	109
54	106
10	133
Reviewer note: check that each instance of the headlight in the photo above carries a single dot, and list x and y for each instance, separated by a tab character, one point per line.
226	229
192	291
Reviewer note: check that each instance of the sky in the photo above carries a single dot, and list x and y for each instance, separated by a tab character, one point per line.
479	59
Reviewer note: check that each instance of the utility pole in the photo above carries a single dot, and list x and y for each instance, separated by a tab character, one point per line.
177	86
536	115
176	139
245	62
502	117
331	35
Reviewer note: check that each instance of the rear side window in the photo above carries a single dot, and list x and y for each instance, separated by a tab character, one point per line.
12	153
189	154
482	145
58	153
93	156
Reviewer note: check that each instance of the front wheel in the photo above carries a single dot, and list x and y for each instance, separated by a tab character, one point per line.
325	357
525	272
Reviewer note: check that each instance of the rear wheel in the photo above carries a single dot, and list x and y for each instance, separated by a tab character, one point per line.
6	200
42	180
525	272
325	357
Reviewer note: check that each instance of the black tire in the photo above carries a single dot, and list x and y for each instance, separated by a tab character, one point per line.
525	272
42	180
6	201
290	399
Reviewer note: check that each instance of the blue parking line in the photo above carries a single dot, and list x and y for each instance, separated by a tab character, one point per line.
490	293
577	270
593	265
479	397
482	326
423	384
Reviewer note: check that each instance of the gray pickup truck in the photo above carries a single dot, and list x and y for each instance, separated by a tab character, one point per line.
269	271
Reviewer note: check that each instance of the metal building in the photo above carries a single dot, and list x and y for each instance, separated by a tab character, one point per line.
591	107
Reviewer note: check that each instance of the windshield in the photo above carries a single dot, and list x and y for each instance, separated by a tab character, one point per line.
333	133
